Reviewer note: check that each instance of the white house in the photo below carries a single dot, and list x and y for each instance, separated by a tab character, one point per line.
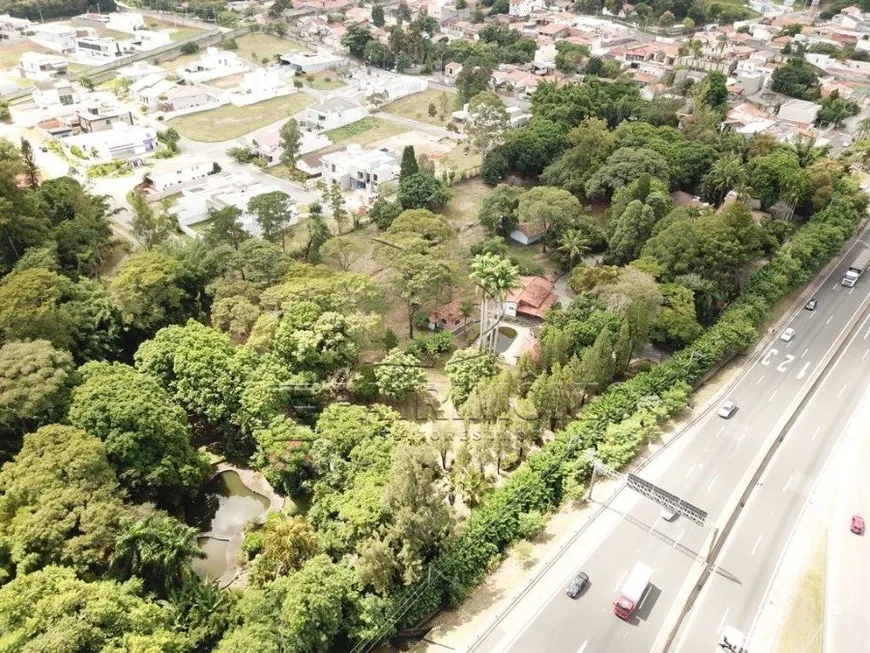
123	141
102	48
181	98
140	70
12	29
38	66
359	169
216	192
54	92
149	89
266	142
126	21
146	39
311	62
524	7
174	174
60	38
332	113
213	65
260	85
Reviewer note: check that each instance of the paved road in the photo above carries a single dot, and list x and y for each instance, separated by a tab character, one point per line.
735	594
713	462
847	579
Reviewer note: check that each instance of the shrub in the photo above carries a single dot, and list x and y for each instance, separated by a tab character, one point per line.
189	48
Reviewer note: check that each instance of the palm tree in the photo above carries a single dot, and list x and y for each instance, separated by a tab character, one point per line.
495	277
726	174
157	549
574	244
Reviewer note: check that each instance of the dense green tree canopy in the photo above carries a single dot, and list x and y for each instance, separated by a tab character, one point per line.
145	433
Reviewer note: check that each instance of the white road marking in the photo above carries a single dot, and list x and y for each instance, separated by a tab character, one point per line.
805	352
829	319
760	379
719	432
767	356
836	285
783	366
583	647
803	371
755	546
722	622
842	390
787	482
812	314
710	487
772	395
865	354
691	470
816	432
852	290
740	441
867	333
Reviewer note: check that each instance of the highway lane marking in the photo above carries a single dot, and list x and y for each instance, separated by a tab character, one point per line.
842	390
829	319
836	285
760	379
867	333
739	442
852	290
865	354
805	352
691	470
816	432
755	546
583	647
719	432
772	395
722	622
710	487
803	371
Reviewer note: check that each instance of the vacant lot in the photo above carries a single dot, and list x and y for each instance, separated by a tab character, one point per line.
183	33
254	46
365	131
180	62
325	80
230	81
416	106
10	53
230	121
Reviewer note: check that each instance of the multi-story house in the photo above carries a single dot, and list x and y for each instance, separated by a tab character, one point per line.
359	169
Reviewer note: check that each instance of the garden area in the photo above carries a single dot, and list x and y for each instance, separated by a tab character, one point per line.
430	106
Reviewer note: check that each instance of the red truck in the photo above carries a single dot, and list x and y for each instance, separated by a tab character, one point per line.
633	590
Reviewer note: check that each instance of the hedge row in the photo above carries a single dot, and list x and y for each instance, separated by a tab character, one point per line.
621	420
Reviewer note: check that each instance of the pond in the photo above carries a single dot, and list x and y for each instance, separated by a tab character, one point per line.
224	507
506	336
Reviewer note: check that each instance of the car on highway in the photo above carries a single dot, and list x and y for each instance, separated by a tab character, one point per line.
577	585
811	305
787	335
857	525
727	409
668	514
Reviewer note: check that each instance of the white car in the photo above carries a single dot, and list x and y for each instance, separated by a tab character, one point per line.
787	335
727	409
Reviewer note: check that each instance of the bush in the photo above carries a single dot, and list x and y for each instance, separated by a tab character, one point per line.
189	48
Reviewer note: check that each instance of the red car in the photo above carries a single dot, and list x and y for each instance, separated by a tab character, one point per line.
857	525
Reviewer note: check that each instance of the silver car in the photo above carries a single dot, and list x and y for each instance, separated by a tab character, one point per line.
727	409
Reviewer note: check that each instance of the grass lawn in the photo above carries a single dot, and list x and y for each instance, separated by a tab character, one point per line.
229	121
458	160
365	131
253	46
112	33
416	106
802	630
466	200
79	67
180	62
320	80
183	33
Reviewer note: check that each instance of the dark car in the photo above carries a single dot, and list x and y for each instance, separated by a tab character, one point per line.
577	585
811	305
857	525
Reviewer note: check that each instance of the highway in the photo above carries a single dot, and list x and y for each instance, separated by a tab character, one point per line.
713	461
734	594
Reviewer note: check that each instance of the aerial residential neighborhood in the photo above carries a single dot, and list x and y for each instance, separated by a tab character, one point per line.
424	325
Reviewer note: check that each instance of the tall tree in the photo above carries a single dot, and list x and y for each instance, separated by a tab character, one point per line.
225	227
274	213
290	139
494	277
409	164
548	209
31	171
286	542
378	16
145	434
487	121
147	290
150	227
